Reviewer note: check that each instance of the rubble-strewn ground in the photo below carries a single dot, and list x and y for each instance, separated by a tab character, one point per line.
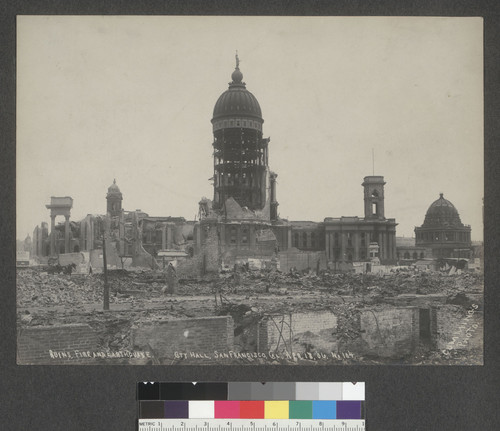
49	299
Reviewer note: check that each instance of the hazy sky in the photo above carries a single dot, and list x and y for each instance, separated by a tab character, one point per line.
131	98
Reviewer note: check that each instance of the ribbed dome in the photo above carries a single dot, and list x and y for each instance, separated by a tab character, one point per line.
442	213
237	100
114	189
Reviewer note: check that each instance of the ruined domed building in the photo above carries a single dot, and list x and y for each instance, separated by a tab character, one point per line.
443	233
242	220
132	238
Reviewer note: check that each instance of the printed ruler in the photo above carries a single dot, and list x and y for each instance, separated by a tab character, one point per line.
251	425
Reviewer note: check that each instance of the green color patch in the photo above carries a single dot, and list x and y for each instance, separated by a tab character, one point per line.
300	410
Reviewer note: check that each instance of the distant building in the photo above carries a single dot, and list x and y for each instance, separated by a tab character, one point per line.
406	250
443	232
348	238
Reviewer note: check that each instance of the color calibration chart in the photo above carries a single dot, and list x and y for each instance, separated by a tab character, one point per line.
251	406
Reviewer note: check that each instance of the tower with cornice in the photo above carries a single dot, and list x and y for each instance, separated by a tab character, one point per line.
114	200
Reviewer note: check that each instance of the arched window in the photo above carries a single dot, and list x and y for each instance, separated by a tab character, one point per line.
422	255
407	255
304	239
296	239
415	255
313	239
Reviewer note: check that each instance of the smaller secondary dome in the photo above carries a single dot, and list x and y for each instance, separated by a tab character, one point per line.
442	213
113	188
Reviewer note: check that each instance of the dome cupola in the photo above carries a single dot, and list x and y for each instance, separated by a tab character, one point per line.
113	189
237	107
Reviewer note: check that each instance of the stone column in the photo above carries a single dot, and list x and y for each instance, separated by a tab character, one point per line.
290	244
223	230
327	246
331	241
164	237
382	246
342	237
393	246
198	237
52	235
169	237
390	254
357	246
251	233
66	234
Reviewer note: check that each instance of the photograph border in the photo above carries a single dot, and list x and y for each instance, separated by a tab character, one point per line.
104	396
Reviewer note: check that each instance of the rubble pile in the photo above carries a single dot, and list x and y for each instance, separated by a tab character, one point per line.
35	288
348	284
38	288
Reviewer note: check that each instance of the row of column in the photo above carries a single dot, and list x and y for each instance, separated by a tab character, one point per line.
385	241
440	236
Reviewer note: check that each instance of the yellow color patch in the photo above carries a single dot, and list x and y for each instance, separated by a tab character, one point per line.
276	410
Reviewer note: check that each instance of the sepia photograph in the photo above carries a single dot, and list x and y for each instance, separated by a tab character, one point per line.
228	190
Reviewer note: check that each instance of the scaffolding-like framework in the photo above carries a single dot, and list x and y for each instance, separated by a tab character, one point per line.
240	167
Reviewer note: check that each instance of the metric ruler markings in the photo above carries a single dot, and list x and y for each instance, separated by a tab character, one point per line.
257	425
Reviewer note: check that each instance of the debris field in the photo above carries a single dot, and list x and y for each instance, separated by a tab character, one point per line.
247	295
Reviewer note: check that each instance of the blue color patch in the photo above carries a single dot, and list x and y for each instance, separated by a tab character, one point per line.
324	409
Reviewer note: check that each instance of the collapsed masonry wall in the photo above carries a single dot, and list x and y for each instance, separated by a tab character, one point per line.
192	267
112	258
143	259
209	253
80	259
301	260
458	328
52	345
206	261
261	255
298	332
197	335
392	332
